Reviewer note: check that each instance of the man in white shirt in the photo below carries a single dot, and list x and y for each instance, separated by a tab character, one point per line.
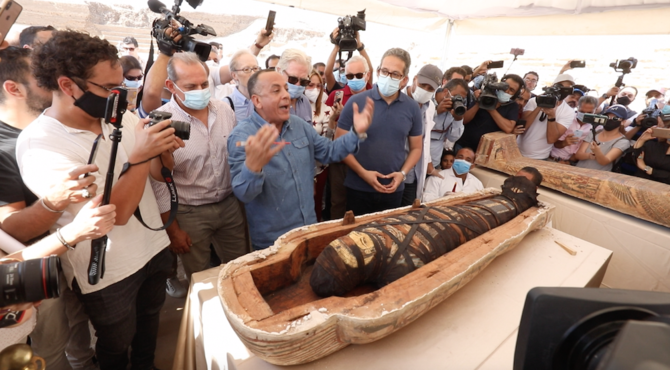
546	125
124	306
457	179
208	211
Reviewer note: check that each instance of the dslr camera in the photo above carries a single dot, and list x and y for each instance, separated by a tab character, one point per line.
348	25
458	105
553	95
187	43
182	130
29	281
651	120
490	86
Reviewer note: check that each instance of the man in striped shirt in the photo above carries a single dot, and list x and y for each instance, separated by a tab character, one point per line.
208	212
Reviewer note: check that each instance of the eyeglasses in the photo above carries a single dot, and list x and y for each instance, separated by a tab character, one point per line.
321	73
271	69
394	75
350	76
248	69
134	78
100	86
294	80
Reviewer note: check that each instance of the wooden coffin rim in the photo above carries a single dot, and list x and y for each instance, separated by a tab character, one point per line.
253	320
634	196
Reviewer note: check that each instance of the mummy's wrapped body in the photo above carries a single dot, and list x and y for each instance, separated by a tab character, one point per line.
385	250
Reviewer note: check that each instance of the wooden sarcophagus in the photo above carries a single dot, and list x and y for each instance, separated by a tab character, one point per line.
372	276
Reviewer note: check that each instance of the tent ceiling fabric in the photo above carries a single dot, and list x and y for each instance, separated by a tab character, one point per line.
429	15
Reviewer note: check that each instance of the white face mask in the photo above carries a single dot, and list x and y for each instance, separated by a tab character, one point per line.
312	94
421	96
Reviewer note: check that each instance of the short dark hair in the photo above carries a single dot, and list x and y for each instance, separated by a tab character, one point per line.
532	73
468	70
28	35
14	66
517	79
215	44
128	63
446	153
451	85
253	81
271	57
130	40
72	54
450	72
467	148
319	64
537	176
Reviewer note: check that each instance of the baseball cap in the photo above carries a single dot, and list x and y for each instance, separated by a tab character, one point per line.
618	110
661	90
578	91
431	75
564	77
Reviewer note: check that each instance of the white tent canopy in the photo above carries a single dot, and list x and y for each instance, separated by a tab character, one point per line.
507	17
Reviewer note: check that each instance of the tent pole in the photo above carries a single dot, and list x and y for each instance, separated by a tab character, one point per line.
447	44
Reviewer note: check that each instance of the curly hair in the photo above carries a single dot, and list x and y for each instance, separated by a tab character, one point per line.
72	54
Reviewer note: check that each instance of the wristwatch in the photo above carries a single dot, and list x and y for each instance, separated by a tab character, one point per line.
604	96
647	169
404	175
551	119
361	48
362	136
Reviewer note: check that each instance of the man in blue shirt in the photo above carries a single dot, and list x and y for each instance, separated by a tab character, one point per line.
276	179
376	175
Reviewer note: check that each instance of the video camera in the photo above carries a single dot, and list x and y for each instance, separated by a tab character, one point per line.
624	66
186	29
29	281
594	119
348	26
552	95
591	328
490	86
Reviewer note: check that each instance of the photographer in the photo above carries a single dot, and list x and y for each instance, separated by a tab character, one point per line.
26	217
608	145
331	83
503	118
448	126
635	125
624	97
653	157
208	212
531	79
124	306
544	126
567	145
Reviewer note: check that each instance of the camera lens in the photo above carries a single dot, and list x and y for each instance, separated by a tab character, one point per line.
182	130
29	281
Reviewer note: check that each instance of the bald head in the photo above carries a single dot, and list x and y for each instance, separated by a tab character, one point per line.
466	154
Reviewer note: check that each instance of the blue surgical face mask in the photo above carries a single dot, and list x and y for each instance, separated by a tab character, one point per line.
580	116
387	86
295	91
503	97
196	99
132	84
356	84
666	109
341	78
461	166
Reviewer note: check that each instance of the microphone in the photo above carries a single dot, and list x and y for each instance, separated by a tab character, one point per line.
158	7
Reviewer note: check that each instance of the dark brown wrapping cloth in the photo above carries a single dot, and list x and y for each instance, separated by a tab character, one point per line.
385	250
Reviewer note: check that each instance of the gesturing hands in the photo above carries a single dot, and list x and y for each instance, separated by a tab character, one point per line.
71	188
91	222
362	120
260	148
372	178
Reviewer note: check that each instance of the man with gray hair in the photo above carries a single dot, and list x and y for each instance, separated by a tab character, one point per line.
243	64
377	172
568	144
208	212
294	65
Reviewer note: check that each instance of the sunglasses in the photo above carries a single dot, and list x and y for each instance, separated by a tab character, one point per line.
134	78
294	80
350	76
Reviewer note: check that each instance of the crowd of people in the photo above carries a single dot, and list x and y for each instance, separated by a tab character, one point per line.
271	148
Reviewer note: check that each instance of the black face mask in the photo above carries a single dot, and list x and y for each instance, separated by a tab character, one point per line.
93	105
623	100
611	124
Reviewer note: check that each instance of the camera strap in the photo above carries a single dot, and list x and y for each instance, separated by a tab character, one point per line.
174	197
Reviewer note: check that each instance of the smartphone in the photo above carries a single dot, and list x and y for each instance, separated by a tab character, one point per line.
658	132
516	52
578	133
497	64
521	123
271	23
93	154
9	12
338	96
132	95
578	64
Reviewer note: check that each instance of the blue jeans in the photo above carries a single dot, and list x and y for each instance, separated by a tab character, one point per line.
364	202
126	314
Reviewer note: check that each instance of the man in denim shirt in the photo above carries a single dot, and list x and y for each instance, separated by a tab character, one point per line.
276	180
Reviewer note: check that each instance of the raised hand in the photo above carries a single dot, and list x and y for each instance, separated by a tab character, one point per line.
71	188
260	148
362	120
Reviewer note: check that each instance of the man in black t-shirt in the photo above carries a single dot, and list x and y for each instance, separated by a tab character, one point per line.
478	122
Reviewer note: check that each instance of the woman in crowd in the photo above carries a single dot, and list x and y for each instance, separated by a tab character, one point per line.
607	148
448	157
653	157
132	78
320	119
